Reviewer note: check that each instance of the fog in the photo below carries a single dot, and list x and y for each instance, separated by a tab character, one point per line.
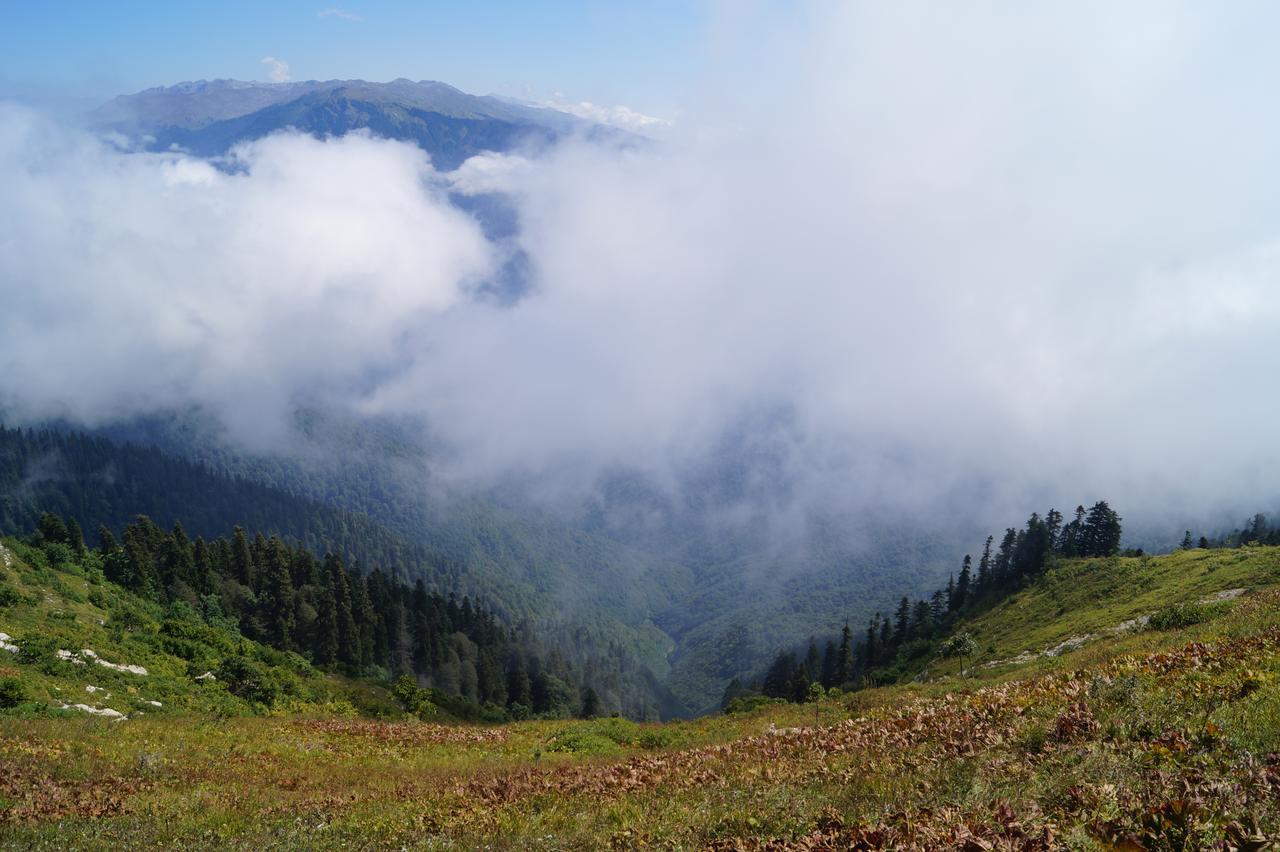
1024	252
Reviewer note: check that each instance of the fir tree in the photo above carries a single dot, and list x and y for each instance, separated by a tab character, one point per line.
902	621
844	658
964	582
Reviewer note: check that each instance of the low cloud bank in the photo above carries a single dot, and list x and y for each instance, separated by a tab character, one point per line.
918	249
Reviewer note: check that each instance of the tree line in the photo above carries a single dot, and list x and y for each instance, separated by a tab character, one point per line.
892	644
1256	530
366	624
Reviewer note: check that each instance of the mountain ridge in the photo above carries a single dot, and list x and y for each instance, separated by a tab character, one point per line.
210	117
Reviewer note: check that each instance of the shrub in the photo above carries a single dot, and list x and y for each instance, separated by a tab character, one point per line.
37	650
248	680
579	741
13	691
656	738
1184	615
9	596
749	704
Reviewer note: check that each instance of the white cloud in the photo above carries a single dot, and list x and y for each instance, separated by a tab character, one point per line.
1036	249
615	116
139	281
340	14
277	69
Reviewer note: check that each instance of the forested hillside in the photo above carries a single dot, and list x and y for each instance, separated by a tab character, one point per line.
594	591
522	574
899	644
698	579
1122	702
362	624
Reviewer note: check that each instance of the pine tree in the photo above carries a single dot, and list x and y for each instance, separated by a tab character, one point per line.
902	621
202	558
812	660
362	612
871	646
830	662
179	561
983	582
590	704
241	557
1101	531
1187	543
921	620
519	685
778	679
278	595
1053	526
844	658
106	541
52	529
1002	572
348	635
75	537
798	688
327	641
964	582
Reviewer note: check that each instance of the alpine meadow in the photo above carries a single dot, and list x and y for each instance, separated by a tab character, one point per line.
686	425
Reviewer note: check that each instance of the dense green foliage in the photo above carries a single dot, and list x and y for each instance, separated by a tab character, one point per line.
368	624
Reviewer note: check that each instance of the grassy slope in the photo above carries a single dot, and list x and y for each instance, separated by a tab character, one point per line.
1159	739
61	607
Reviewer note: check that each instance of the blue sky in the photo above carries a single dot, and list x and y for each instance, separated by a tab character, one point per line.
635	53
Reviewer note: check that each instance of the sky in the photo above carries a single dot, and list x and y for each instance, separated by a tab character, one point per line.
630	53
912	247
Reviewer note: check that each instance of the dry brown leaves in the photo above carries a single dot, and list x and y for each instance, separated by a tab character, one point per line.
32	793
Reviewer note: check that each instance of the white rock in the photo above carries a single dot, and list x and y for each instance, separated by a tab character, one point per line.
155	703
105	712
1224	595
88	654
1068	645
6	643
205	676
93	689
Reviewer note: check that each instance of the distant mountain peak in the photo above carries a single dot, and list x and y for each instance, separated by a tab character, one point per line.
209	117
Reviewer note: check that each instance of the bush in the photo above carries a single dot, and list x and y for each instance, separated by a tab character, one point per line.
1184	615
604	736
13	691
9	596
248	680
37	650
578	741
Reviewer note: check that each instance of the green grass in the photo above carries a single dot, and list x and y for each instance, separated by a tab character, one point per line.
1153	738
1093	596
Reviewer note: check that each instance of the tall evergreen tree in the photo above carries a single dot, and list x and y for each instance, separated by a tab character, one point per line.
902	621
982	584
964	582
241	557
844	658
830	662
277	589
